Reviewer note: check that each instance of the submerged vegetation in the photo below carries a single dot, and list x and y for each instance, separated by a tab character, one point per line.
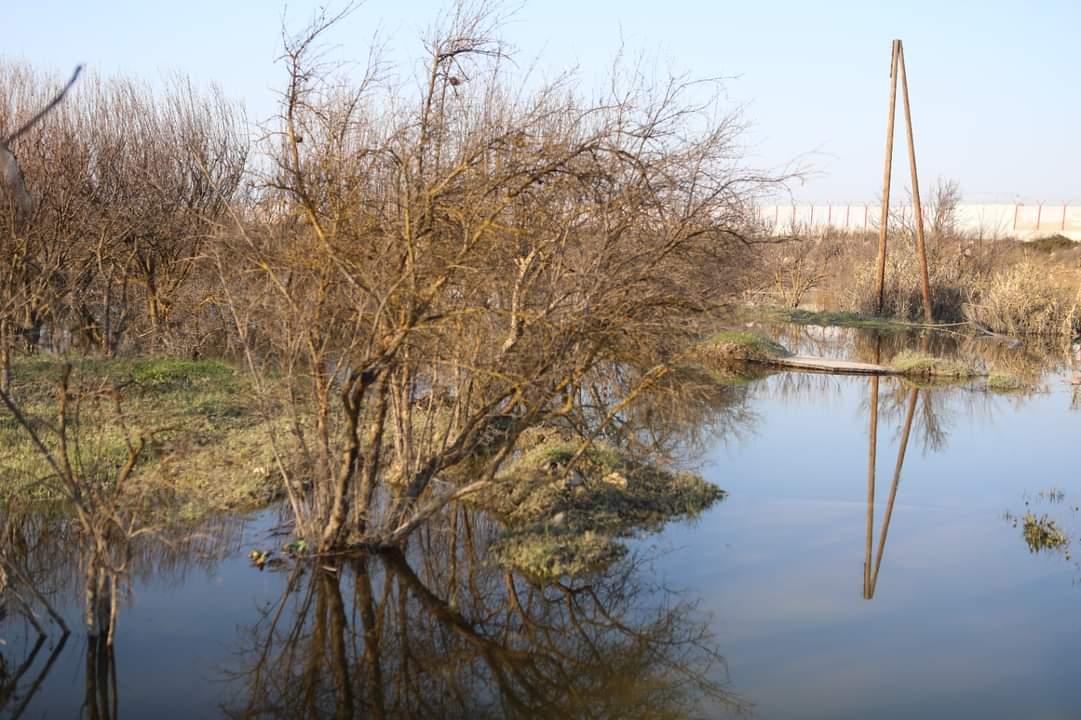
566	507
1042	533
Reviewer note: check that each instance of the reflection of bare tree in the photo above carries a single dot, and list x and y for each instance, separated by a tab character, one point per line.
27	595
941	408
19	686
100	702
46	567
791	386
383	637
685	409
31	564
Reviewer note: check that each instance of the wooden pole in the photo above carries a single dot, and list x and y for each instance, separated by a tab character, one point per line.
921	248
887	173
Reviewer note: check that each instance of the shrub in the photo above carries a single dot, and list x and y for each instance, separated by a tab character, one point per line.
953	281
1020	301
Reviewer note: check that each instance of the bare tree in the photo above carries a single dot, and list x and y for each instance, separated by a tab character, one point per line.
945	197
128	186
442	271
11	176
16	203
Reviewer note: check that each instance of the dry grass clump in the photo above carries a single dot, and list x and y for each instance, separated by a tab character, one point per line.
1020	301
1042	533
562	523
1023	298
1052	243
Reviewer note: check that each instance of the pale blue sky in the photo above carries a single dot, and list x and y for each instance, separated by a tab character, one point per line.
996	86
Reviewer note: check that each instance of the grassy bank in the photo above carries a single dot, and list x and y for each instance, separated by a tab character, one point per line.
736	346
564	520
208	448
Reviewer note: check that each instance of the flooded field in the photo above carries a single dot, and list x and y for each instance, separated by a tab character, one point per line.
885	550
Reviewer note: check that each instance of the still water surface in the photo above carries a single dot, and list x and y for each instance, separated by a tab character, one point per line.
786	600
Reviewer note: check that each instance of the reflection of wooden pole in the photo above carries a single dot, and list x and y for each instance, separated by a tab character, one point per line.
887	173
921	250
893	486
872	447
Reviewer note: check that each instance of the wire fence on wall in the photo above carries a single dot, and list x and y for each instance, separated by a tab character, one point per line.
1024	221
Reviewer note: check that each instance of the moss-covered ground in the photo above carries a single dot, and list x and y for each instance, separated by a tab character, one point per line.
569	520
208	448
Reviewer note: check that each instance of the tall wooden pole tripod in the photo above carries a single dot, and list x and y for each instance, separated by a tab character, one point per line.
897	66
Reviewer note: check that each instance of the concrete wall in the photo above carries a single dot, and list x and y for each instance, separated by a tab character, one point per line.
1022	221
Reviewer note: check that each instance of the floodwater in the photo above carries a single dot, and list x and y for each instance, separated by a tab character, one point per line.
814	590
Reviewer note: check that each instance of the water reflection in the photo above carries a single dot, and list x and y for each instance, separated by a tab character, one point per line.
436	632
681	414
441	632
447	635
21	681
1032	361
52	587
870	573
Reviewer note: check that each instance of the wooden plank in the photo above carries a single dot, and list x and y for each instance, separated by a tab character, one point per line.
840	367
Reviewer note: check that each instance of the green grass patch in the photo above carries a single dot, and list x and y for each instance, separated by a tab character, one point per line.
1004	382
729	347
910	362
562	523
210	450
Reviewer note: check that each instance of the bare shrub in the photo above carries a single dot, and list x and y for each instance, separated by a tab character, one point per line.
952	276
943	221
796	268
441	272
127	186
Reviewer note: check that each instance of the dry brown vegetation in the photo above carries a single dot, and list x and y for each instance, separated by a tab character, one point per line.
1000	286
126	186
425	274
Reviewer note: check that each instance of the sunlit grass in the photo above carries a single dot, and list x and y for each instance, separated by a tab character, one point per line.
209	449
